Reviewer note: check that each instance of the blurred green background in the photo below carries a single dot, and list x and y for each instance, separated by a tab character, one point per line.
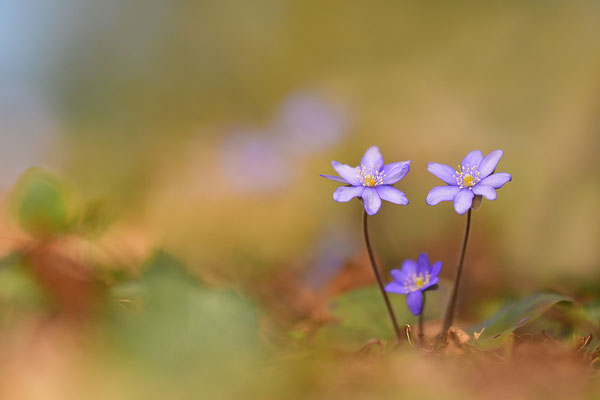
201	128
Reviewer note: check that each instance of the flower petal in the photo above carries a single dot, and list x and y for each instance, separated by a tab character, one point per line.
372	159
489	163
443	172
392	173
414	301
344	194
350	174
372	200
395	287
436	268
432	282
441	193
398	275
463	201
484	190
473	159
335	178
409	267
391	194
496	180
422	264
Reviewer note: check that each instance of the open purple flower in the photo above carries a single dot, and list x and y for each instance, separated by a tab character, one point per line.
474	177
371	180
413	279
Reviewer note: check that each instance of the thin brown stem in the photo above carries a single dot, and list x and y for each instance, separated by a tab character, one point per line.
378	277
449	317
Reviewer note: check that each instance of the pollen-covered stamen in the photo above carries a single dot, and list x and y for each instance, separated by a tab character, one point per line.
466	176
416	282
370	177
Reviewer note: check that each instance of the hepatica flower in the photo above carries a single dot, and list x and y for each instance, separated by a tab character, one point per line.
371	180
413	279
474	177
309	122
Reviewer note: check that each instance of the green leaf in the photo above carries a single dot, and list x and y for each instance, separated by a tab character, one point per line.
95	218
40	203
361	315
499	327
20	292
180	320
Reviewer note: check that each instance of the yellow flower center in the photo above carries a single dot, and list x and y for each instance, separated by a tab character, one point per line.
416	282
468	180
466	177
369	180
369	177
419	281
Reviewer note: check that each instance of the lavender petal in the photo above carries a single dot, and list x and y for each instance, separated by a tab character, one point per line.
372	200
398	275
436	268
463	201
335	178
372	159
472	159
484	190
489	163
344	194
443	172
395	287
392	173
350	174
409	267
433	281
422	264
496	180
414	301
391	194
441	193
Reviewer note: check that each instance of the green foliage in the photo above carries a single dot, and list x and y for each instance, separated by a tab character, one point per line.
361	315
19	290
95	218
513	316
179	320
41	204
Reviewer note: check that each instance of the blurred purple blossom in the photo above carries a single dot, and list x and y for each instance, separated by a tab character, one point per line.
252	162
334	246
308	123
474	177
371	180
413	279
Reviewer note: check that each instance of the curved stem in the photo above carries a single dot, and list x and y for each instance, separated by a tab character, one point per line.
378	277
449	317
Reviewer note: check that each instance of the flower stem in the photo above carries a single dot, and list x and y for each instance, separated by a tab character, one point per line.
449	317
421	321
378	277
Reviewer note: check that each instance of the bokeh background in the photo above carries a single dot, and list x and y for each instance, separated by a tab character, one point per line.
198	130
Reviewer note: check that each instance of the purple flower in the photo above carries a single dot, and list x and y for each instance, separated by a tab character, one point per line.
252	163
474	177
308	122
413	280
371	180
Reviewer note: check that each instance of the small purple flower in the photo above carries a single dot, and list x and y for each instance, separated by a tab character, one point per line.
252	162
474	177
371	180
309	122
413	280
